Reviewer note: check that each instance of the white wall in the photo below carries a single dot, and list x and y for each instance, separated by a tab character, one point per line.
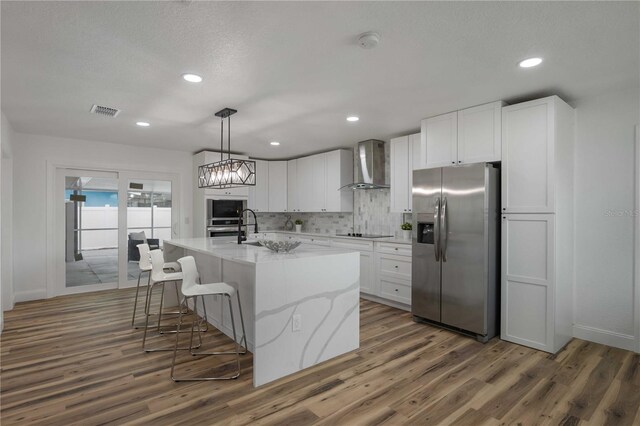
6	214
604	222
31	154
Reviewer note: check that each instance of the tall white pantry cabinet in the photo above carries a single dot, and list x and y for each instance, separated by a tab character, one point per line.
537	223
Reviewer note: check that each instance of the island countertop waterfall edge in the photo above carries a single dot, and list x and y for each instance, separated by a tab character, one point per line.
321	285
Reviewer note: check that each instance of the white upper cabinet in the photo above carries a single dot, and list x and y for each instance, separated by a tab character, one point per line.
400	174
293	201
278	186
405	158
415	161
259	194
439	140
318	179
339	172
534	134
318	189
308	184
305	183
471	135
480	133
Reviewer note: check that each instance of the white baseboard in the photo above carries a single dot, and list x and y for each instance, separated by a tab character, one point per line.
25	296
387	302
605	337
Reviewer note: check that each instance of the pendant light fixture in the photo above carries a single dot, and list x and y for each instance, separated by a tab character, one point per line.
228	172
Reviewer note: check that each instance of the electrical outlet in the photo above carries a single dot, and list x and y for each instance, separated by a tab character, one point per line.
296	324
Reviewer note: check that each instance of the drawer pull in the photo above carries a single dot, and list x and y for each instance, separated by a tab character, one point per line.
396	289
396	249
396	266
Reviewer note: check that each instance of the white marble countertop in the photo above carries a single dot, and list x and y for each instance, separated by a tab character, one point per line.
393	240
246	253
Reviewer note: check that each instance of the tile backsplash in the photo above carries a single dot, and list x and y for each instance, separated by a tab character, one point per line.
371	213
317	223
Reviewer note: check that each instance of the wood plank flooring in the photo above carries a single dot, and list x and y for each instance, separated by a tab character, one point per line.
76	360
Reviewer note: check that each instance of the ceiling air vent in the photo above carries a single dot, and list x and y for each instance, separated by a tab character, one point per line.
103	110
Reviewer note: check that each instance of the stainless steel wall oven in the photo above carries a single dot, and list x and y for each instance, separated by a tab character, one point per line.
222	217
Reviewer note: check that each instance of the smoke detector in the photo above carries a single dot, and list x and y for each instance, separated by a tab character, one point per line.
368	40
103	110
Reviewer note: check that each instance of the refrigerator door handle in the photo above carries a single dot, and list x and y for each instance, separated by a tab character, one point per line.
444	230
436	229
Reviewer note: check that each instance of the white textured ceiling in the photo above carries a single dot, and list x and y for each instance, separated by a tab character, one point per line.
293	69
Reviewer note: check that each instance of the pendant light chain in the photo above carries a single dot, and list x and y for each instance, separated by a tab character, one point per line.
222	139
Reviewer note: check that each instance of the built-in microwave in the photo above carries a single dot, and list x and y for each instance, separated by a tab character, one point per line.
222	217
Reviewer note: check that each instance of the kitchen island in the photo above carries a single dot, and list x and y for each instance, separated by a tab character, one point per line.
300	308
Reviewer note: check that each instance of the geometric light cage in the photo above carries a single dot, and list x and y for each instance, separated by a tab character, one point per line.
229	173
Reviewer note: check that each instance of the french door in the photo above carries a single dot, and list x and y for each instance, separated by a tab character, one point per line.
101	217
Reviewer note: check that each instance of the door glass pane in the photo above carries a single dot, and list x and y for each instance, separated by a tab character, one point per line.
148	218
91	230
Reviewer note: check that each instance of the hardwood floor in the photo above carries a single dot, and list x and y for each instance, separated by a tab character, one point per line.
76	360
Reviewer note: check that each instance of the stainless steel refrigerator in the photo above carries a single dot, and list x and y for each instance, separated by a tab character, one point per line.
455	268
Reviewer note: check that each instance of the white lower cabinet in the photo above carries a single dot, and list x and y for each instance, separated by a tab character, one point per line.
308	239
367	273
385	268
535	306
396	290
368	284
394	272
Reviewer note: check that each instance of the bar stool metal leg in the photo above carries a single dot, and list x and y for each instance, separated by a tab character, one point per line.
234	334
146	298
237	351
244	333
148	314
135	302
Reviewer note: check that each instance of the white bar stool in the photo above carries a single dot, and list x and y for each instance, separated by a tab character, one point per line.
145	266
159	277
191	289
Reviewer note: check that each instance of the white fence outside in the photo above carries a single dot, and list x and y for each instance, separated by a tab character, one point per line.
138	219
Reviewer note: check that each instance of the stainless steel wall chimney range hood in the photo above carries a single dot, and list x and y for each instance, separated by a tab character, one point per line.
369	166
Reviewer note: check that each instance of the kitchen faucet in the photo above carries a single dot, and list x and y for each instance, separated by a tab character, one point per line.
241	237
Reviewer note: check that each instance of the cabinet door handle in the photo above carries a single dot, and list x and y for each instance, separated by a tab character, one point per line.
396	249
396	266
396	289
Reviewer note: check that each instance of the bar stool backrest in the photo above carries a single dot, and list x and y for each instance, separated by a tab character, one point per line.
189	273
157	266
145	257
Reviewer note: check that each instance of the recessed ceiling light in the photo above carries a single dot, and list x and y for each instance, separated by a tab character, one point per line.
192	78
530	62
353	118
143	124
274	143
